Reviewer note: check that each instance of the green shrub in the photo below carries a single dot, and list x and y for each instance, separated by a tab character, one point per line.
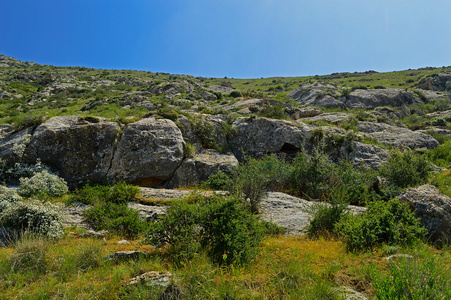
7	197
236	94
90	194
273	111
117	218
441	155
42	218
122	193
190	150
406	168
325	217
43	183
390	223
223	227
219	181
411	278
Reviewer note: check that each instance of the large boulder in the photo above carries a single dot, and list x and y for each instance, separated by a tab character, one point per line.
148	153
397	136
432	208
442	82
317	94
200	167
259	136
371	99
363	154
81	149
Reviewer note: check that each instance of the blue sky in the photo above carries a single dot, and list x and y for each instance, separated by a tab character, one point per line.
233	38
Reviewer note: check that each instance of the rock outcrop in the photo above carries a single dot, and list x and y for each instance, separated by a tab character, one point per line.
432	208
363	154
259	136
397	136
148	153
371	99
80	149
201	166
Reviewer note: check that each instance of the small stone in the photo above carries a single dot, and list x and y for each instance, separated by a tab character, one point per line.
123	242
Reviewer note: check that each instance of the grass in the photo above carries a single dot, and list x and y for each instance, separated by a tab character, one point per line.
286	268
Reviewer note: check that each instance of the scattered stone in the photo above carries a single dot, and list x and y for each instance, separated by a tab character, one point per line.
432	208
95	234
123	242
306	112
348	293
394	256
148	212
126	255
74	215
151	278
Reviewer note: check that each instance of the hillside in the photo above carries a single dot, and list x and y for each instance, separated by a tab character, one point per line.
318	187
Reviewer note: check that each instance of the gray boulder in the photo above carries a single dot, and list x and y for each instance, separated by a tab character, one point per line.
333	118
259	136
148	153
317	94
432	208
80	149
442	82
306	112
397	136
379	97
363	154
200	167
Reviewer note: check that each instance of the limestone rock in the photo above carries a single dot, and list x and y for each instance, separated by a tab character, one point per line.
167	194
369	155
148	212
151	278
290	212
79	149
379	97
397	136
200	167
12	146
334	118
126	255
95	234
306	112
148	153
432	208
442	82
74	215
259	136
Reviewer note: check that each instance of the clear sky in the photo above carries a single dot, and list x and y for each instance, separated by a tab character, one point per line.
233	38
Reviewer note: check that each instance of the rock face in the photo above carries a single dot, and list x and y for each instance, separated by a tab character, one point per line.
12	146
397	136
442	82
149	152
79	149
432	208
380	97
368	155
316	94
199	168
258	136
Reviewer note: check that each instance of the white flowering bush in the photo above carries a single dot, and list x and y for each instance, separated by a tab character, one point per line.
43	183
20	170
43	218
7	197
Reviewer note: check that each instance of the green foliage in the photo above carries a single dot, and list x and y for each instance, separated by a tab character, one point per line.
8	197
168	113
223	227
88	255
390	223
117	218
206	133
43	183
406	168
219	181
413	278
441	156
325	217
41	218
236	94
273	111
190	150
90	194
122	193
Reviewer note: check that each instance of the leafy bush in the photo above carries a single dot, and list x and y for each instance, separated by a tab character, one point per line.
389	223
413	279
122	193
7	197
223	227
325	217
219	181
236	94
441	155
42	218
117	218
19	170
273	111
90	194
43	183
406	168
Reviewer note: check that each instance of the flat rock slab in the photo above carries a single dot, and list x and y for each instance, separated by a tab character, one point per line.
168	194
151	278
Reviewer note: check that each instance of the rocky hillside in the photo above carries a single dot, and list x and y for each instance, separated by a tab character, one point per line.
156	129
